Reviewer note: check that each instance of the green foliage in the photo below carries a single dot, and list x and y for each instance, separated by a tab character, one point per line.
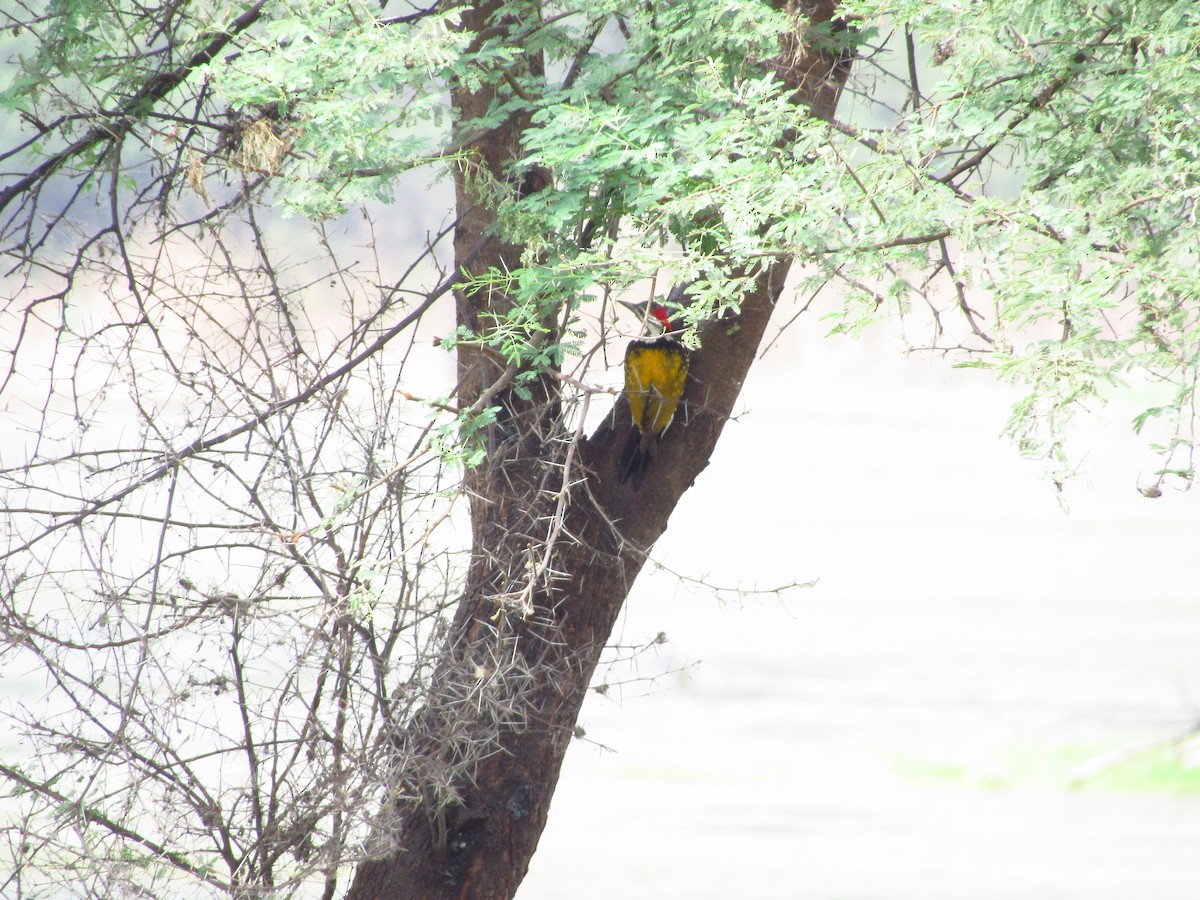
360	102
677	138
1079	222
1037	183
1055	148
95	51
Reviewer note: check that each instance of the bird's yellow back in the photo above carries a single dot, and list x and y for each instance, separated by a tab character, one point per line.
655	376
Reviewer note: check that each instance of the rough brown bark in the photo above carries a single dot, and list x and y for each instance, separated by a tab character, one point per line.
546	625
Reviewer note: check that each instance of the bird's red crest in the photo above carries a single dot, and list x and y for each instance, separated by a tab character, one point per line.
660	313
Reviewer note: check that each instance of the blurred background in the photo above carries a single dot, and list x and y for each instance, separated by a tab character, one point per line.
991	691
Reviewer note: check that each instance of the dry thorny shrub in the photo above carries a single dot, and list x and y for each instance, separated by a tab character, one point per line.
228	558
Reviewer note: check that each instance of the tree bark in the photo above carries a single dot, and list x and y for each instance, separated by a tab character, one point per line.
531	624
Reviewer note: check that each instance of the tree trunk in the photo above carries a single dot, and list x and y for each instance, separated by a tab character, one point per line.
532	622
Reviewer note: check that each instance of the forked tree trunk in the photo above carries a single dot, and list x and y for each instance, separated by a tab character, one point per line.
530	627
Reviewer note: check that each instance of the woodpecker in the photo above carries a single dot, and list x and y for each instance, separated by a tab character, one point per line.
656	370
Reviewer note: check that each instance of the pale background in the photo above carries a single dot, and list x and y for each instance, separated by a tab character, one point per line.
911	726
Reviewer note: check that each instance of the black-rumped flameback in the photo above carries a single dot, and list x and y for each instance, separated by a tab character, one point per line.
655	375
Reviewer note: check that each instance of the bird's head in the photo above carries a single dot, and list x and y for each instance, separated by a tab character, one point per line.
655	316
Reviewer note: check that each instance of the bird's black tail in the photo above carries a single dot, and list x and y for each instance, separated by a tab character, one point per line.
634	460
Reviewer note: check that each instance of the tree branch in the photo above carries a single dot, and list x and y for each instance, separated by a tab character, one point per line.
1036	102
154	90
201	444
98	818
